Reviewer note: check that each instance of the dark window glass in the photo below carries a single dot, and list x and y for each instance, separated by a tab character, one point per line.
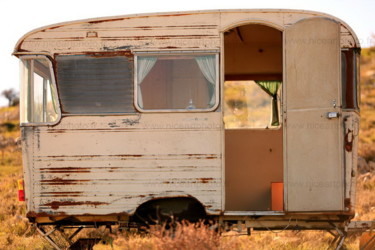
94	85
349	77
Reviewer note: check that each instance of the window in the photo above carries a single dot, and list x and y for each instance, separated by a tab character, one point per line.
182	82
251	104
39	102
95	84
350	79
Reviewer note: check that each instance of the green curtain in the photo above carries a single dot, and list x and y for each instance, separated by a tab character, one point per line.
271	88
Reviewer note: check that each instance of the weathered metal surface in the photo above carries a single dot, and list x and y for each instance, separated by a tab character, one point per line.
314	173
361	225
88	165
103	165
190	30
351	130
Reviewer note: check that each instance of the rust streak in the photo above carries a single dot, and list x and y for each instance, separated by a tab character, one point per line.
80	157
60	181
169	47
56	204
348	203
349	140
66	170
75	38
52	28
56	131
63	194
176	26
134	17
126	53
161	37
107	20
192	26
205	180
172	15
33	214
61	216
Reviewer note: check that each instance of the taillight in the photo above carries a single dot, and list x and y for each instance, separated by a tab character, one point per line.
21	190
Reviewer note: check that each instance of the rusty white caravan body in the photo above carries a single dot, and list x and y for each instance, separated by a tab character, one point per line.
137	115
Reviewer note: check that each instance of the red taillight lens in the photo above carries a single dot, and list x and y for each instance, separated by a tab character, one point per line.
21	190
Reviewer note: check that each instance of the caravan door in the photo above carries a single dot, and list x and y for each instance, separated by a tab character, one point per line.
313	133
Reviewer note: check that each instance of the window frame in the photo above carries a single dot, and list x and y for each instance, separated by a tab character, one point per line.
24	91
178	53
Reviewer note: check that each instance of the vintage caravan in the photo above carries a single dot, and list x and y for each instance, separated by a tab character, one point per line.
241	116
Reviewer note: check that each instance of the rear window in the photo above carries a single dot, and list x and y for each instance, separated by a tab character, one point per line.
95	85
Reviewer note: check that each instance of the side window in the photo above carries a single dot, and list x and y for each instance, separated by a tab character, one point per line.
350	79
252	104
39	102
95	84
182	82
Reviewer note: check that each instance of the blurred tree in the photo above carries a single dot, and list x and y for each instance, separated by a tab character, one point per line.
12	97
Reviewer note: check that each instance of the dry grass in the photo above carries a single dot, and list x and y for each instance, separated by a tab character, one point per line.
15	231
367	129
197	236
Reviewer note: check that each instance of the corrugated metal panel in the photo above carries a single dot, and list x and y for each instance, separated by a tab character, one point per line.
90	84
86	165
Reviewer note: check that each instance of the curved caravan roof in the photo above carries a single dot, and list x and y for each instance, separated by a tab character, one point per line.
160	31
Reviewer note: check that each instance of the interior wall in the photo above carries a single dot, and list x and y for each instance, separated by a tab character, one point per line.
254	159
253	50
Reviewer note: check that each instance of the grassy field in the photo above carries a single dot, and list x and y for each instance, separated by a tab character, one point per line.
367	132
17	233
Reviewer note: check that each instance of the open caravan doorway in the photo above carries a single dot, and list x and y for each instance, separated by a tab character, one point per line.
253	62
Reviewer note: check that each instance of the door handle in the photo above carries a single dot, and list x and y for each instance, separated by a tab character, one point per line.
331	115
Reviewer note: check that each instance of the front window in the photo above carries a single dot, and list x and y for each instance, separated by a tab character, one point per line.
39	102
182	82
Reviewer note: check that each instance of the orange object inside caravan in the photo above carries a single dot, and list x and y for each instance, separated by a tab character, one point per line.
277	193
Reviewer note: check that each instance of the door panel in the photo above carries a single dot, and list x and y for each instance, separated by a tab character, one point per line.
313	143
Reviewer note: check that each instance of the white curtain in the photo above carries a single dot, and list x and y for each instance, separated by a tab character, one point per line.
207	65
145	64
